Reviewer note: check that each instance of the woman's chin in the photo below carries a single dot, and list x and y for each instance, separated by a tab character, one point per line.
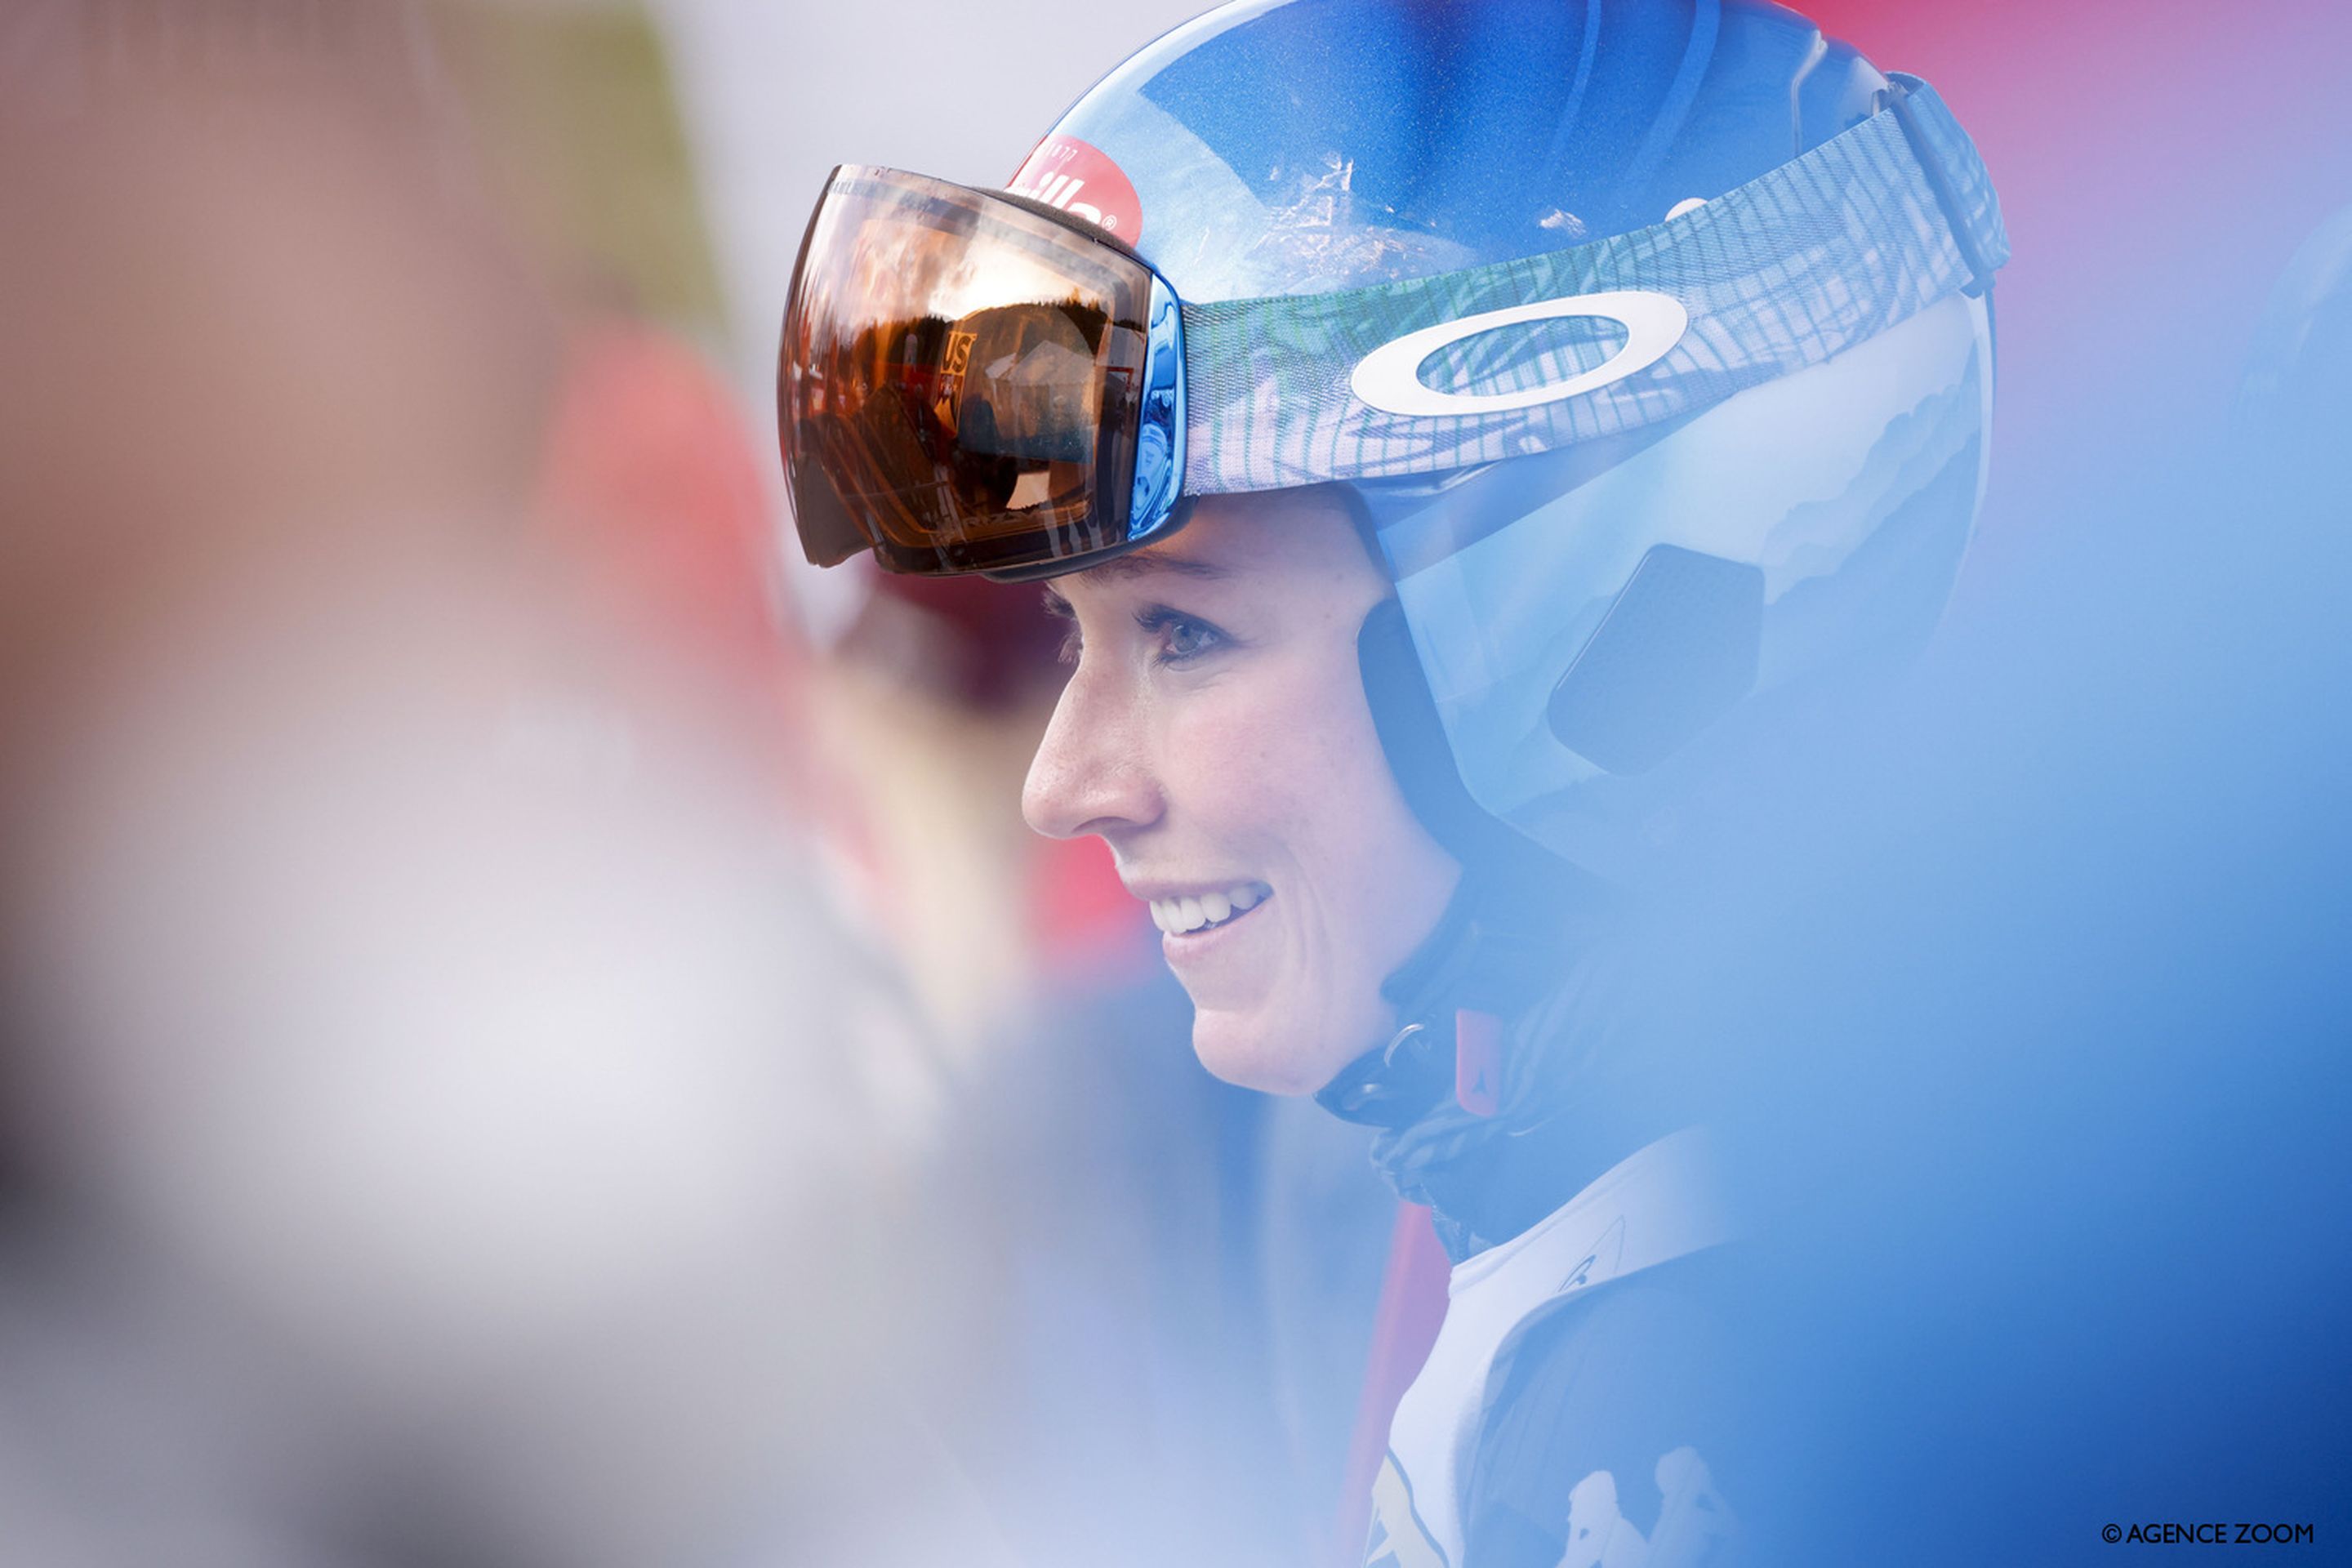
1253	1050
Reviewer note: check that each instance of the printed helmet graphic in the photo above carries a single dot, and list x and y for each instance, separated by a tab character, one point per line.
1583	619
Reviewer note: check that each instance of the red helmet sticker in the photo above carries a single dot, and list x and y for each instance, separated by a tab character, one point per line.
1081	180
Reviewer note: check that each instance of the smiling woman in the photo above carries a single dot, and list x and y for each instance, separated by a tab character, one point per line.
1215	734
1415	622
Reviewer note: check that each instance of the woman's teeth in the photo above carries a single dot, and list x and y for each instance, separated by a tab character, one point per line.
1178	916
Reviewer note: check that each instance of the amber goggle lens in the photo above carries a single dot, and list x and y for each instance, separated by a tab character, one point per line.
960	378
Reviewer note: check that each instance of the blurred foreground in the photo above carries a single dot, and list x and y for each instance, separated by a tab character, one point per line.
484	993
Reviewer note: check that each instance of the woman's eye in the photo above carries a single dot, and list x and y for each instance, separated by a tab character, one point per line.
1181	640
1184	638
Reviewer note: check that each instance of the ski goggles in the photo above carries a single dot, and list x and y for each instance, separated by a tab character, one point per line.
970	382
973	383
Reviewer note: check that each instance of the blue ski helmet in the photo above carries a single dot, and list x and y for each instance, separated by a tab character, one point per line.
1795	497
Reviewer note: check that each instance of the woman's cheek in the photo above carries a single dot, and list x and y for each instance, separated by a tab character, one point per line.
1275	745
1227	736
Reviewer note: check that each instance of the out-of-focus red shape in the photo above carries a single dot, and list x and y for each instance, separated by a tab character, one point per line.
1404	1326
1086	920
650	493
651	483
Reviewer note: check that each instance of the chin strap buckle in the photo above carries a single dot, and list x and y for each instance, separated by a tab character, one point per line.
1478	1061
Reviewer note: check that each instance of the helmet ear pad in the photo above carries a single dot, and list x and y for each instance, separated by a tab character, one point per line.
1678	649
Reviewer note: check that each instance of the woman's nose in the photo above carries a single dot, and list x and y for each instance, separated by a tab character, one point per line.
1091	774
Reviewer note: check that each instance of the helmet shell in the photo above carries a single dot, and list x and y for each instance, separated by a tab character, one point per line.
1580	618
1305	145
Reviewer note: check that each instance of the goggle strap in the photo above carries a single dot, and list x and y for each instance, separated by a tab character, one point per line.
1974	219
1830	248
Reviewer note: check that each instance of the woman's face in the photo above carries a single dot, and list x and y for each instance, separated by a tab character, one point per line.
1216	734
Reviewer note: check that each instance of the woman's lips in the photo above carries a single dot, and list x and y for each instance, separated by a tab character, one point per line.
1183	913
1197	945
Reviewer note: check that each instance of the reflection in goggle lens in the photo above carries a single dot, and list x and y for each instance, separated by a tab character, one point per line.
958	380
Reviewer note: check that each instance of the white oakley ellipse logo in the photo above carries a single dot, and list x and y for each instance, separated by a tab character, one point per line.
1389	378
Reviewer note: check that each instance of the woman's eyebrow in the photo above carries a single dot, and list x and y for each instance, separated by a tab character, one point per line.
1143	563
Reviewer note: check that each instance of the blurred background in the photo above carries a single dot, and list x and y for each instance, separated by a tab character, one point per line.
533	1031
